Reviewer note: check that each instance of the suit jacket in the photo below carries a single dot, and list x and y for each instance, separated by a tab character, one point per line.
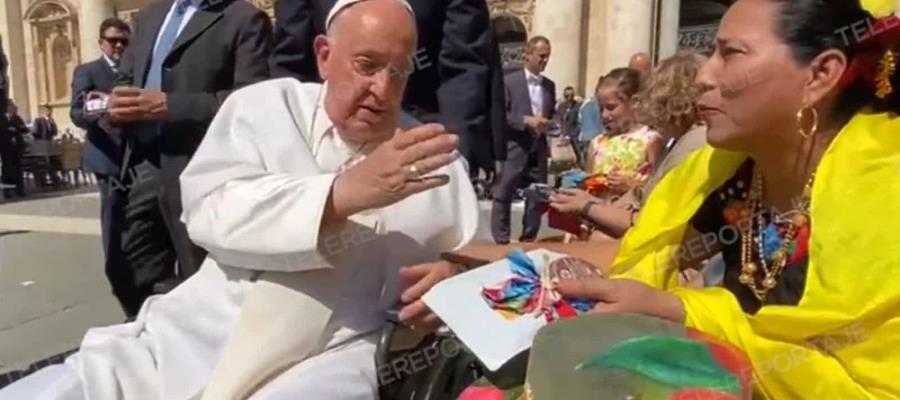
518	106
223	47
450	82
102	150
14	134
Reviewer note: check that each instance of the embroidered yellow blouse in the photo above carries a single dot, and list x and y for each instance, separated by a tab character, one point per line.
842	341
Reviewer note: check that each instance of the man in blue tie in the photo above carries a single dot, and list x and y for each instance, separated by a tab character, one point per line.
186	57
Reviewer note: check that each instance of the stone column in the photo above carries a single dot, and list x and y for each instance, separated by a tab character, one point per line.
561	22
595	48
91	15
14	44
629	26
668	35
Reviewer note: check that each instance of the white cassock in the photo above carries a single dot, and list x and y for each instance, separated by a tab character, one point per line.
254	195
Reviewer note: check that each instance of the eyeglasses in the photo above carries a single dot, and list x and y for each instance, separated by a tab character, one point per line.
117	40
368	68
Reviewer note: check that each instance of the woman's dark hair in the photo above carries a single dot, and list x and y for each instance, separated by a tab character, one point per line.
811	27
626	80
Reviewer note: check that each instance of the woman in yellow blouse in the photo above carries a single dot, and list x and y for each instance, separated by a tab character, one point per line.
799	193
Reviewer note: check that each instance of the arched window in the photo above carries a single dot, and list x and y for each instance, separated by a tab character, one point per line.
509	28
55	48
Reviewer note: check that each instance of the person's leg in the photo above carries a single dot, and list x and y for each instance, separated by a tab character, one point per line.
103	186
147	252
347	373
6	170
119	274
505	190
573	141
583	148
113	198
534	211
190	256
18	174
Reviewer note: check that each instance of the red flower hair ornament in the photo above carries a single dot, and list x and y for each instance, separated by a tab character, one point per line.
876	63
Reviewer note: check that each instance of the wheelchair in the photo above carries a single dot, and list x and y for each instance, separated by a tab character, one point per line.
433	367
436	367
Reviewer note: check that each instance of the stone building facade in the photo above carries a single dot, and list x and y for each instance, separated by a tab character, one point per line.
46	39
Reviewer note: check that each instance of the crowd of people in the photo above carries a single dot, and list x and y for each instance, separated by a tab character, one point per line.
16	137
286	187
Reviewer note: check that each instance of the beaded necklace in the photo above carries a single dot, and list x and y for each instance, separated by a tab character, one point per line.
765	235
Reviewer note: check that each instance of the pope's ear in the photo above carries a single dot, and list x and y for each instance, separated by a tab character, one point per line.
323	54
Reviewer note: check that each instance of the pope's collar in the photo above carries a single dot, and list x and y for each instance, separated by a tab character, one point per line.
321	123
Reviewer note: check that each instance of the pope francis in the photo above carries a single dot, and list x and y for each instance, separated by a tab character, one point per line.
321	207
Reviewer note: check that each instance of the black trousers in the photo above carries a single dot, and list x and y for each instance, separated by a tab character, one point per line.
12	167
139	253
189	255
521	168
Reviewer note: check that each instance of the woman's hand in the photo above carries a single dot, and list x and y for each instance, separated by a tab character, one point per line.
396	169
625	296
570	201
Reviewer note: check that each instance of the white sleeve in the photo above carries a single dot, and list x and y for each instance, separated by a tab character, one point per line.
245	215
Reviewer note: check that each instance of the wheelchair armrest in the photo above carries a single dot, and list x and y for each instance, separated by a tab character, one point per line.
393	316
383	348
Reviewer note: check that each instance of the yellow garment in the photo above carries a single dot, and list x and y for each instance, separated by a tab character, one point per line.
880	8
842	341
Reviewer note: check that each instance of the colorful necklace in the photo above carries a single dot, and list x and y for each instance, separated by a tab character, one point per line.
763	234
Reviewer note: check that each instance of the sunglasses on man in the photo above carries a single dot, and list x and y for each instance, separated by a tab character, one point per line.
117	40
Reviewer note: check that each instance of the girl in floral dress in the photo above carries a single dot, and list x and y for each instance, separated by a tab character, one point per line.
624	157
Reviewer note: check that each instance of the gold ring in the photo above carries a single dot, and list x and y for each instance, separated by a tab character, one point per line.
413	172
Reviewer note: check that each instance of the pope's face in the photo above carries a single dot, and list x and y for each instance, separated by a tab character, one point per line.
366	60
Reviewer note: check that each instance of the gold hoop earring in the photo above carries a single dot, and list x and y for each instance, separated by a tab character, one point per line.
815	115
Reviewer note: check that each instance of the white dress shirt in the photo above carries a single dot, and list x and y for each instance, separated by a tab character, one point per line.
112	64
192	7
536	92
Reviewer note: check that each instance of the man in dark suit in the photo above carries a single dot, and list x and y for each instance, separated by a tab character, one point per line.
185	58
12	149
530	104
450	71
45	127
102	154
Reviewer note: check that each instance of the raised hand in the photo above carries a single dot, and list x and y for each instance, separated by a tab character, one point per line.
397	169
